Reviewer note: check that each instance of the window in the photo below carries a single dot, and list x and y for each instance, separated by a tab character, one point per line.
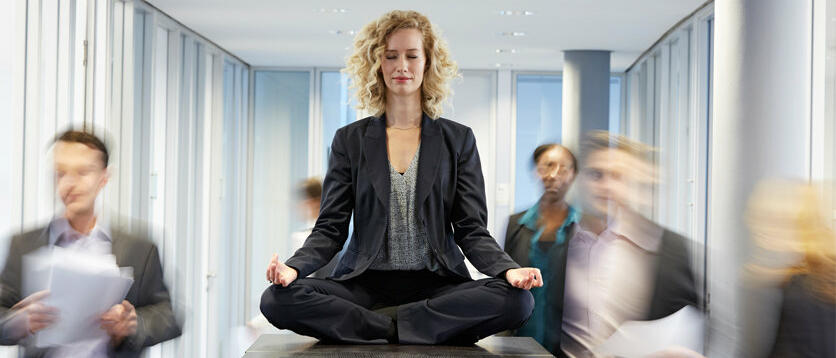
336	109
539	105
280	162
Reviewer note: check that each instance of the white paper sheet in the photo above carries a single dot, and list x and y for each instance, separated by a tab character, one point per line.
82	287
642	338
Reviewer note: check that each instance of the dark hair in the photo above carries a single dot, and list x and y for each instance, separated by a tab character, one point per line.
88	139
543	148
310	188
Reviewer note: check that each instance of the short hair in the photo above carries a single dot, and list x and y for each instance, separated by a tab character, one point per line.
543	148
310	188
599	140
86	138
364	64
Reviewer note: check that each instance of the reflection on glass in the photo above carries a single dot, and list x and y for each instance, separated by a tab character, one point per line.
336	108
539	106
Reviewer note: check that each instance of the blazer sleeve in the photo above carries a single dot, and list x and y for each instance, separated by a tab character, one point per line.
10	287
155	318
331	229
470	214
512	238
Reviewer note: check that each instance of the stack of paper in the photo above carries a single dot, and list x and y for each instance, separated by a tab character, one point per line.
81	286
683	329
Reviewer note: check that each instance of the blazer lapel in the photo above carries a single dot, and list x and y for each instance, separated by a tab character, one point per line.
377	160
429	160
43	238
117	248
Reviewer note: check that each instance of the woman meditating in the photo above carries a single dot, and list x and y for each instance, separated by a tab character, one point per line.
413	181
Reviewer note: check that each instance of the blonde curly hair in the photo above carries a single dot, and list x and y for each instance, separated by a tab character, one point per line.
363	65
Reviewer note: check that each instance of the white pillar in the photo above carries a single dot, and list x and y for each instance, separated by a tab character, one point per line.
760	128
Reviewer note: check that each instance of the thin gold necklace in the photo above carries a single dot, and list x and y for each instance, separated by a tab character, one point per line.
404	129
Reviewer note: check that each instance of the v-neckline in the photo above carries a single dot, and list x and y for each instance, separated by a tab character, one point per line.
411	162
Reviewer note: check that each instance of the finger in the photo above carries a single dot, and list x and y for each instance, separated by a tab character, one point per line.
276	279
35	297
42	308
42	320
130	329
117	310
38	326
539	278
108	327
127	309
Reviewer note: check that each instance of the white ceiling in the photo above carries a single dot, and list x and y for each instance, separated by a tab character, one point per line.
300	33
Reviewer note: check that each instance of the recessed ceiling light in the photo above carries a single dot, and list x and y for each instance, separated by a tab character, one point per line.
506	50
512	34
503	65
343	32
515	12
332	11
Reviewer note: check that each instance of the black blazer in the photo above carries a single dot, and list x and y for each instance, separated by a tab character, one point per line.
156	320
673	287
450	199
807	325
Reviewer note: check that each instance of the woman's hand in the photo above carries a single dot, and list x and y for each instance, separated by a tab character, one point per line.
279	273
524	278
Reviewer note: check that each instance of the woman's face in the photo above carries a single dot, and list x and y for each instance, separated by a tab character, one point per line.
556	173
403	62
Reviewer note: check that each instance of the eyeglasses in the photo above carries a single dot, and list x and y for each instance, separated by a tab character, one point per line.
554	168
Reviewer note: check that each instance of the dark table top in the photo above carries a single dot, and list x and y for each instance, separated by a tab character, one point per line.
292	345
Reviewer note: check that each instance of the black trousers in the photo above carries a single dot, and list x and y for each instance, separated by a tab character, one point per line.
432	309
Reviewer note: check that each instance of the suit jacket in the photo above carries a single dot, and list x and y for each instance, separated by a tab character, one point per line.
449	194
808	322
156	322
674	285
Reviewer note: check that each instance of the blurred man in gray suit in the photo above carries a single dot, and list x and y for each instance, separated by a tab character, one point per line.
143	319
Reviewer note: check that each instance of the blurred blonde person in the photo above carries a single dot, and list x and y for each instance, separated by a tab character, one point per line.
795	249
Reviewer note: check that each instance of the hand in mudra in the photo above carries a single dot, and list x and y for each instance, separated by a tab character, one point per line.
279	273
524	277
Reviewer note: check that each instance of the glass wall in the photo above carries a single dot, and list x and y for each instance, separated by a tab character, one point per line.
180	115
538	113
539	107
281	117
669	97
669	107
336	108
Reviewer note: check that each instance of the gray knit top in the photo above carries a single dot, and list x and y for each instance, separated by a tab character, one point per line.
407	248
